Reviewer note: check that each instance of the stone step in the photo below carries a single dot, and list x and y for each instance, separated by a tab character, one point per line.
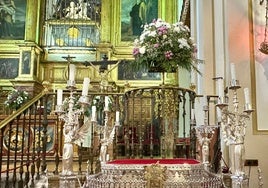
48	181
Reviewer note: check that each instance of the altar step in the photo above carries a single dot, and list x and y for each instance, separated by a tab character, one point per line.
46	181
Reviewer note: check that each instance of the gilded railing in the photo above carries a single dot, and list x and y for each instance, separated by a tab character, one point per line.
157	123
23	139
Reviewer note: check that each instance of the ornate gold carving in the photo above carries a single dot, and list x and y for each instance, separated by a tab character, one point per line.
167	102
60	42
73	32
155	175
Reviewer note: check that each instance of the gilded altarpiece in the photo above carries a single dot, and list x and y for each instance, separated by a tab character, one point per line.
89	38
122	36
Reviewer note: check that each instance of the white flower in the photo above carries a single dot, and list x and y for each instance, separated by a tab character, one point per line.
168	45
152	34
183	43
142	50
136	42
177	29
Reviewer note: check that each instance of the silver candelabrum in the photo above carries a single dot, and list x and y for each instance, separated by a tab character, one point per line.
204	134
72	131
233	128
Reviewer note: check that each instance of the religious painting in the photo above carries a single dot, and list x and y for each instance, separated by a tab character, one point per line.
26	62
125	72
16	139
26	137
50	138
12	19
260	64
9	68
134	14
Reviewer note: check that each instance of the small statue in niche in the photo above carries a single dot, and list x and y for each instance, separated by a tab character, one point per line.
82	9
76	9
72	11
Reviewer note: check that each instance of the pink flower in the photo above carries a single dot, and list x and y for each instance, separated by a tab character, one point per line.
168	54
136	51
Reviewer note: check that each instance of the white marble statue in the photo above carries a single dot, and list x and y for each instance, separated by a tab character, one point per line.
82	10
71	11
72	135
205	150
105	142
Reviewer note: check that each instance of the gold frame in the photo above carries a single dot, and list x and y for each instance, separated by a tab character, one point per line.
111	21
256	129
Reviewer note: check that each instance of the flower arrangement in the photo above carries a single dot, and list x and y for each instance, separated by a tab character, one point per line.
166	46
16	98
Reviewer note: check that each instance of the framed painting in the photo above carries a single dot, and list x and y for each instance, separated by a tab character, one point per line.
12	15
131	15
134	14
26	62
125	72
259	63
9	68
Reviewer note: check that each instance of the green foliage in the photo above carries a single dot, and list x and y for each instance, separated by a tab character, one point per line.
164	45
16	99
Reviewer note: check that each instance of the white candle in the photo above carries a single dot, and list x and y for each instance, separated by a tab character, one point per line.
59	96
192	114
220	88
93	113
85	86
107	157
233	75
71	72
106	100
247	98
117	116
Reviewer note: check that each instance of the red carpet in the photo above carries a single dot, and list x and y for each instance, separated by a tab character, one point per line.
152	161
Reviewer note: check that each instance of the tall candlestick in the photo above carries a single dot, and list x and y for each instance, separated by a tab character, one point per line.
233	75
247	98
59	96
93	113
85	86
71	72
192	114
117	116
106	100
220	88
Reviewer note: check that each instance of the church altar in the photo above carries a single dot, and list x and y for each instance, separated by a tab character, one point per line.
152	173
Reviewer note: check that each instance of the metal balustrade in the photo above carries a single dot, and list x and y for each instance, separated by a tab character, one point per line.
155	122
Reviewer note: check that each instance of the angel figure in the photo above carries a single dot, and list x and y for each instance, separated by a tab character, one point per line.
72	134
72	11
82	7
239	159
105	143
